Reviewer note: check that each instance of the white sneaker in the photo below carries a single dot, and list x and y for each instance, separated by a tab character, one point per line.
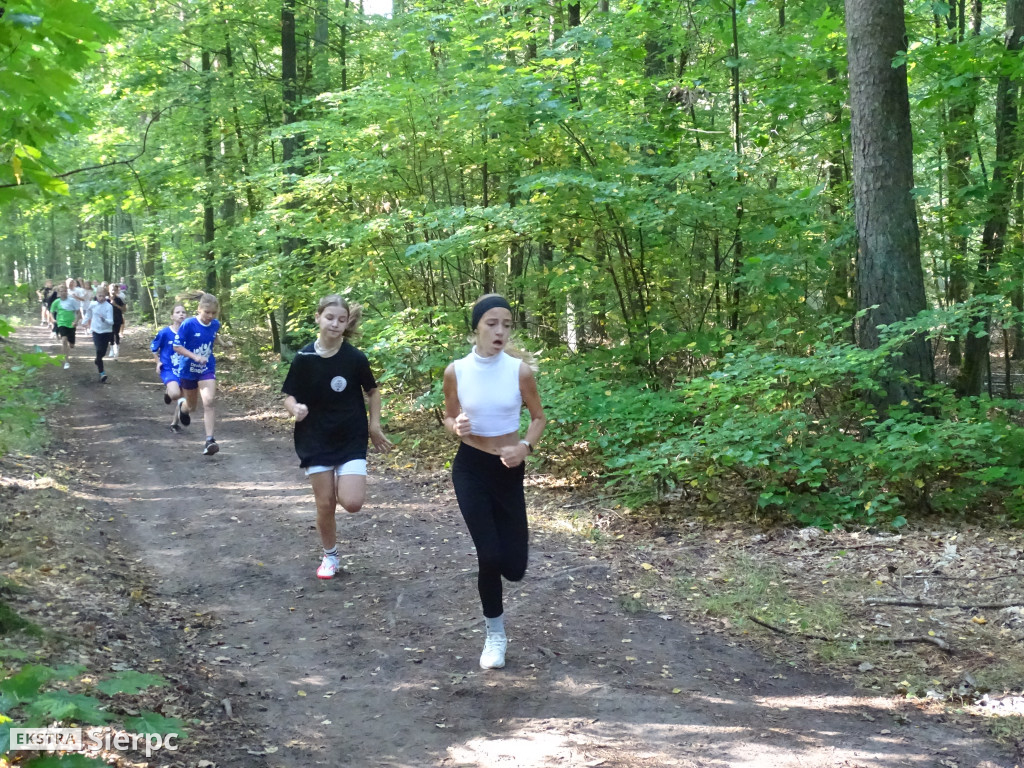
493	656
66	365
328	567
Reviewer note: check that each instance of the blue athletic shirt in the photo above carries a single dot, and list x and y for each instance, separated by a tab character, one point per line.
164	344
197	339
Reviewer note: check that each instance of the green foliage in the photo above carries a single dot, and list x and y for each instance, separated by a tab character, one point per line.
43	43
10	621
601	172
73	760
129	681
412	349
793	432
151	722
27	701
21	401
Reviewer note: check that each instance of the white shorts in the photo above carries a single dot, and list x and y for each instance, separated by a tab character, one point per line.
353	467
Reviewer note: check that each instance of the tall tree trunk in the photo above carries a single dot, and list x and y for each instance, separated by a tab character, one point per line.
289	142
251	199
108	264
959	138
228	216
343	53
209	223
547	310
976	345
839	289
146	297
547	305
737	238
321	21
1017	277
890	280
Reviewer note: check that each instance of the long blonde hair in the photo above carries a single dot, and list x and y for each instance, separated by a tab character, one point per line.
355	313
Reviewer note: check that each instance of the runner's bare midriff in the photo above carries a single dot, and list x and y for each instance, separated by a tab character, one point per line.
491	444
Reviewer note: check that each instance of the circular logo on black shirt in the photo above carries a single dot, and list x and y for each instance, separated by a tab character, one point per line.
338	383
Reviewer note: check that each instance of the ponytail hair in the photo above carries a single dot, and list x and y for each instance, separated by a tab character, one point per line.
355	313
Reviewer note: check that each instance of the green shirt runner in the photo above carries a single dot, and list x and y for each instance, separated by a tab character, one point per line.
66	311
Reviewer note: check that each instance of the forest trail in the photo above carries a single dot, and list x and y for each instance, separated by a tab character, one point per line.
378	667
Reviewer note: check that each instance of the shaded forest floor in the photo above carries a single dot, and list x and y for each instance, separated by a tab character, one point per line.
631	642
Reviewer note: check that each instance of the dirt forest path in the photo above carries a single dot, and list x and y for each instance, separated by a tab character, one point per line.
378	667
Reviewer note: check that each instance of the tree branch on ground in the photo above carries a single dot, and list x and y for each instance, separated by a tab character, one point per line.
937	642
932	604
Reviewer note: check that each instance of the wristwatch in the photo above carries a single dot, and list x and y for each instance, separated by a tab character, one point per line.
529	448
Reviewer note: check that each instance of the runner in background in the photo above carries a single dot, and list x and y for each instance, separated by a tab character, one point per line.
77	290
65	311
197	366
167	363
325	389
46	297
99	318
120	307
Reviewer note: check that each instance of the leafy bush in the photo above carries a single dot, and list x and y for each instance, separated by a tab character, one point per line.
411	349
28	700
791	430
20	402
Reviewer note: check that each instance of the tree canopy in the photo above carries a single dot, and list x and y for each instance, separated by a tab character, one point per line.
665	190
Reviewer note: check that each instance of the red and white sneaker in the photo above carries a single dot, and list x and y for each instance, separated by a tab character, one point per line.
328	567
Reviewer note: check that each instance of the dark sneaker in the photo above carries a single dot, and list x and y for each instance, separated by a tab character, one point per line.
183	416
175	428
167	399
103	378
211	447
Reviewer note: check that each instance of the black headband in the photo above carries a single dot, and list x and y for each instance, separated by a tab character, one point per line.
486	304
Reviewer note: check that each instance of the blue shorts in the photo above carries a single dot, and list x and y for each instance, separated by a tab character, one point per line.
194	383
168	376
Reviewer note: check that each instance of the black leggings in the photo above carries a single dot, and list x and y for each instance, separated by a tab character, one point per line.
116	335
102	341
494	507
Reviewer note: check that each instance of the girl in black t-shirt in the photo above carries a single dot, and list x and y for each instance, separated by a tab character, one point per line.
324	391
46	296
120	307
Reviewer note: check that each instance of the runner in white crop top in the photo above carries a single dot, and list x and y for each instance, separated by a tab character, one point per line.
488	390
484	393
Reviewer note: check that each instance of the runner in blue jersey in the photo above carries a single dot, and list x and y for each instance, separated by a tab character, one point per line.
166	358
196	366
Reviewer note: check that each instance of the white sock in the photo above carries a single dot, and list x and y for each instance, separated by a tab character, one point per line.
495	626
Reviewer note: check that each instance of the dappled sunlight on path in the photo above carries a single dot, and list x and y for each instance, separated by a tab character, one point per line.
378	667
